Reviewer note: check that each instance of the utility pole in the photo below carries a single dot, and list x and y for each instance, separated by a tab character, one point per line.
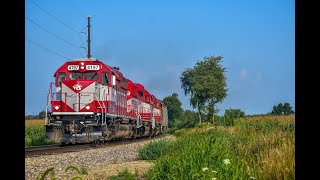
89	55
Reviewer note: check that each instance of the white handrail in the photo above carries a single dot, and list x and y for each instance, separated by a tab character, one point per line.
105	108
102	114
48	101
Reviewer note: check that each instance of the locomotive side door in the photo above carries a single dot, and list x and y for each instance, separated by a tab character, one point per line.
112	98
153	123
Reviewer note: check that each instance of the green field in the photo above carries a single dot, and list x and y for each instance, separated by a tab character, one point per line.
254	148
35	133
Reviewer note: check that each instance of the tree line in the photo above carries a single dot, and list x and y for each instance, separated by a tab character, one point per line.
41	115
282	109
179	118
205	83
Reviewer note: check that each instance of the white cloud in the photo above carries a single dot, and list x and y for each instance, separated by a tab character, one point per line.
243	73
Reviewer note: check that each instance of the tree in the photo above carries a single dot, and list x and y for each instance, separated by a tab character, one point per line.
234	113
187	82
188	119
174	108
42	114
275	110
280	109
287	109
206	84
210	111
231	114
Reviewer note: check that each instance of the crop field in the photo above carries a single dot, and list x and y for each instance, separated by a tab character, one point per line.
34	122
35	133
254	148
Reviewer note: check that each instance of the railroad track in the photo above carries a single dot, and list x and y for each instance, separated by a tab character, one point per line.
42	148
53	149
57	148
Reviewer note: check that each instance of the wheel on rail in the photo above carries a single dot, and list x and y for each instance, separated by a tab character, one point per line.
95	143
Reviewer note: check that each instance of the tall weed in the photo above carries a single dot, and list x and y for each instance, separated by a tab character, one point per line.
255	148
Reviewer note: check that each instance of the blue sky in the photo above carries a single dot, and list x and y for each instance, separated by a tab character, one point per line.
153	42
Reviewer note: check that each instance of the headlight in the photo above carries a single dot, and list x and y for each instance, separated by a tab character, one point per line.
87	107
56	107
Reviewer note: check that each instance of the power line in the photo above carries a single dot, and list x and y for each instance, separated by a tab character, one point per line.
54	17
81	44
80	53
61	23
48	49
52	33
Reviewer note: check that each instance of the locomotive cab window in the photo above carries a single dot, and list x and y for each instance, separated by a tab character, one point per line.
105	78
75	76
140	95
124	83
91	76
61	77
118	83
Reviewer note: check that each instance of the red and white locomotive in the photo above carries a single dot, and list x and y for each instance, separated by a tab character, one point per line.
95	102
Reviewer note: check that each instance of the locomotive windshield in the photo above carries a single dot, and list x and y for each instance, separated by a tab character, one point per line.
105	78
61	77
87	76
91	76
75	76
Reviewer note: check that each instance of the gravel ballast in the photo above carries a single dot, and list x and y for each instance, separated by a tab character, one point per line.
92	159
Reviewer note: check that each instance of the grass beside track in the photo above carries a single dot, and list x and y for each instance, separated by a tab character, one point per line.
254	148
35	133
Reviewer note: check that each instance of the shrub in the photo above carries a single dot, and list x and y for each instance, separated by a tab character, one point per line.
154	149
203	125
170	131
181	132
125	174
233	113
